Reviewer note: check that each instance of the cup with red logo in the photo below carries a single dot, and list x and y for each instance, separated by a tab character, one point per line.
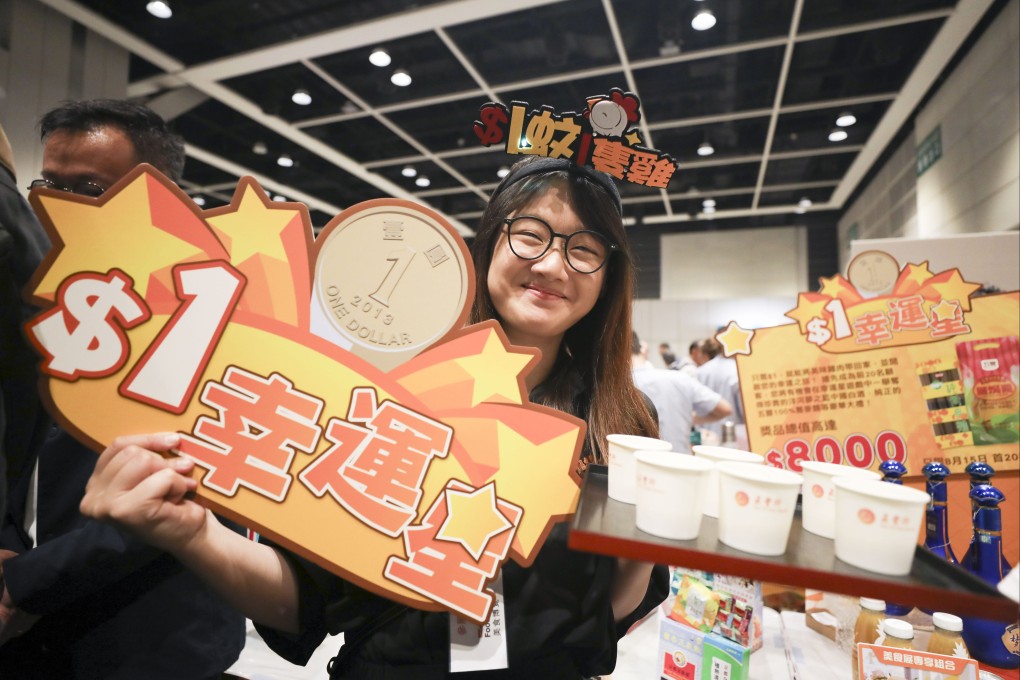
756	506
878	524
718	454
622	468
818	508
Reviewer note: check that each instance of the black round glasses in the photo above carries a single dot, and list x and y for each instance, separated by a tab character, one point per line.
530	238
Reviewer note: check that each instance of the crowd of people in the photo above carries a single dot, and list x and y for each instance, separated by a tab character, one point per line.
108	567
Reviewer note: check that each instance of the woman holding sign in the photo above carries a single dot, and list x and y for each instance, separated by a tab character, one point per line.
553	266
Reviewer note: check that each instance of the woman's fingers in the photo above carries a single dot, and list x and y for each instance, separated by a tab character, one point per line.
159	441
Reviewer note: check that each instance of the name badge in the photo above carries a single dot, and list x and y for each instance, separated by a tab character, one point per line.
480	648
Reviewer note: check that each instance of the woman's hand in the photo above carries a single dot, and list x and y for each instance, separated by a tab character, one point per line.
137	488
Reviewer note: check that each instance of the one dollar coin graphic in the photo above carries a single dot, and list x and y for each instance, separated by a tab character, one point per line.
392	277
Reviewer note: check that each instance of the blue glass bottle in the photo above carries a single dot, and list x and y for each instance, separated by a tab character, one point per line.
892	472
987	639
936	527
980	473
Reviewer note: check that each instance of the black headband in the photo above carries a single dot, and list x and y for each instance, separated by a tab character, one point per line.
545	164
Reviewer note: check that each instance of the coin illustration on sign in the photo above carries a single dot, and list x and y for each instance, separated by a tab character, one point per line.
392	277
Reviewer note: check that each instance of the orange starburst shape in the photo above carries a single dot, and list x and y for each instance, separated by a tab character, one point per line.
809	306
735	340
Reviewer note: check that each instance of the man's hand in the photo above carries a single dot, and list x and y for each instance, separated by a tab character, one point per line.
137	488
13	621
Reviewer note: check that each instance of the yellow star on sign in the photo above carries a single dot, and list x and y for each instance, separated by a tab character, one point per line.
254	227
915	274
548	497
735	340
945	310
496	372
473	519
955	288
809	306
836	286
634	138
119	233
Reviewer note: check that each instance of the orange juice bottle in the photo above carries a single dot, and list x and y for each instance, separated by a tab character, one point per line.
867	628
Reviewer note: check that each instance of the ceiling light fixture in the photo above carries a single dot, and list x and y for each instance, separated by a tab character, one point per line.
280	198
408	171
401	78
285	161
199	200
706	149
708	210
703	20
846	119
708	203
379	57
159	9
838	135
503	171
301	97
804	202
259	148
422	181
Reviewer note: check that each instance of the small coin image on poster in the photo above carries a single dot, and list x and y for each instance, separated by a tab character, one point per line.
392	277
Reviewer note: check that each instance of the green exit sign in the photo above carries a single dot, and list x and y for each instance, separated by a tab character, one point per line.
929	151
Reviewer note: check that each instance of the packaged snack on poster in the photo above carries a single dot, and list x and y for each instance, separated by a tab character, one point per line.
990	371
942	390
689	654
728	606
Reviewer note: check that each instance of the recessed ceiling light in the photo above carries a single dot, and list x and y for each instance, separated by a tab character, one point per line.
401	78
838	135
703	20
279	198
199	200
800	210
422	181
706	149
301	97
408	171
804	202
503	171
259	148
708	210
285	161
846	119
708	203
159	9
379	57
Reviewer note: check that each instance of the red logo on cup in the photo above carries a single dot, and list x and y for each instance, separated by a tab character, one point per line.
866	516
742	498
817	491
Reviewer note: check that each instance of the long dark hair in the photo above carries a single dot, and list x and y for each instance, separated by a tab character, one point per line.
597	348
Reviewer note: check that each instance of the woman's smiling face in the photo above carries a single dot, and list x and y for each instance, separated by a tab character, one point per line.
539	300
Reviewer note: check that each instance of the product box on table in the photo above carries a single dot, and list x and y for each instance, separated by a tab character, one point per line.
729	606
687	653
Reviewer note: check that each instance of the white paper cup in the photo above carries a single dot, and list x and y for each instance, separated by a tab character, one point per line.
670	488
878	524
718	454
756	506
818	510
622	470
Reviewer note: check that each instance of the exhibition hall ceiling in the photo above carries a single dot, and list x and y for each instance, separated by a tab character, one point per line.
763	87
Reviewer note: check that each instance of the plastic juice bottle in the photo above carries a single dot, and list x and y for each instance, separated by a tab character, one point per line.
947	639
898	634
868	627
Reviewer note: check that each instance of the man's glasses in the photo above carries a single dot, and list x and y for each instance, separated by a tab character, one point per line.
530	238
90	189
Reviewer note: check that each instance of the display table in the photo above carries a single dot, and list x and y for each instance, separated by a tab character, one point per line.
603	525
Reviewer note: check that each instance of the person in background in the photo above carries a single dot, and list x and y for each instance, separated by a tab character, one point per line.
719	373
79	598
686	363
552	264
679	399
668	358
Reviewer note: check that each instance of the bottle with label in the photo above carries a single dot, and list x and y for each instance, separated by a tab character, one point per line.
990	642
868	628
695	436
946	639
729	435
980	473
936	528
